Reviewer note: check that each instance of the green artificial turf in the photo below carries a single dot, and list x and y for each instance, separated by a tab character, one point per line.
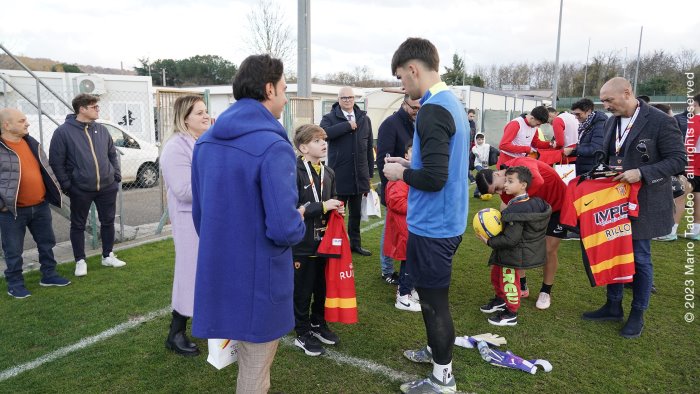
587	357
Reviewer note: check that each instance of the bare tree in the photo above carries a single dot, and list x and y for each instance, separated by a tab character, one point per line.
269	32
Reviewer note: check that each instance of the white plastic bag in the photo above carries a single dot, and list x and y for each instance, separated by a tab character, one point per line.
370	206
567	172
222	352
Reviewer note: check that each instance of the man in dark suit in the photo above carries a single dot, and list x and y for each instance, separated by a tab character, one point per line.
351	156
646	146
394	132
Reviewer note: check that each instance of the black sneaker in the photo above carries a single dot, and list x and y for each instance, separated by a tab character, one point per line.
392	279
324	334
504	318
496	304
310	345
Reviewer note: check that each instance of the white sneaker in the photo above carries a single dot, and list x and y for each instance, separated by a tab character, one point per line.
406	303
414	295
80	268
543	301
112	261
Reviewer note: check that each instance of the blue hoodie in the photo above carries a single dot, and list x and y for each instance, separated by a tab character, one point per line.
244	209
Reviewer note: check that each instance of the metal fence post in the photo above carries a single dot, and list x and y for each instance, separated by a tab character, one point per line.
120	197
93	224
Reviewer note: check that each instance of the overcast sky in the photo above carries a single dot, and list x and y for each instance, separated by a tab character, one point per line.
346	34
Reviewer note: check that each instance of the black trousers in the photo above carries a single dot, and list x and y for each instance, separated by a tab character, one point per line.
353	208
106	202
309	280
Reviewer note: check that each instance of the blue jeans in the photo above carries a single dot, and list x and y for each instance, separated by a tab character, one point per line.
405	281
643	277
37	219
387	263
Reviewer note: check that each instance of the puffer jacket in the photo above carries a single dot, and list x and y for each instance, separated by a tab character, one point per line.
83	155
9	176
522	242
313	214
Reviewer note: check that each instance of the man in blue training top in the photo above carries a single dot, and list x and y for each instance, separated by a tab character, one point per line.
437	203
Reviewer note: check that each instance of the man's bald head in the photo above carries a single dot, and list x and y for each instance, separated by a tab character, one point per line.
617	85
8	115
13	124
617	97
346	98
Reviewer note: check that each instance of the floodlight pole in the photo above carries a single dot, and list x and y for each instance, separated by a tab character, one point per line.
639	54
304	49
556	62
585	73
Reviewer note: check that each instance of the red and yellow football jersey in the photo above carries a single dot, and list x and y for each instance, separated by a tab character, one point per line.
602	208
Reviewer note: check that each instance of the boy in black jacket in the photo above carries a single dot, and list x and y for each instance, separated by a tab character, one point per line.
316	187
520	245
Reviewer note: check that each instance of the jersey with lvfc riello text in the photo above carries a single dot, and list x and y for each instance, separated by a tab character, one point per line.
602	209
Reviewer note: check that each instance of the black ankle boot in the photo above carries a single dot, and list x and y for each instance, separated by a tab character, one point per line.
610	311
177	340
635	324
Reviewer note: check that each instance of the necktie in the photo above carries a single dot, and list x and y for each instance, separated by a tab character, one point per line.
350	118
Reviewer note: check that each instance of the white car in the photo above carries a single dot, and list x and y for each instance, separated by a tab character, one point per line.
139	158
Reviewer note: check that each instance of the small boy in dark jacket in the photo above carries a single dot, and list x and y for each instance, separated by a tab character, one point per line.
396	236
316	188
520	245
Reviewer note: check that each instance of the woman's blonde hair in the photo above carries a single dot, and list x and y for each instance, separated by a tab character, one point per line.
182	108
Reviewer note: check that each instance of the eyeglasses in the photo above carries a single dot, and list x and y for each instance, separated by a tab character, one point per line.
95	107
642	148
347	98
415	108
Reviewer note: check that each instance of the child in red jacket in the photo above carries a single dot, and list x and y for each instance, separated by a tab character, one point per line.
396	236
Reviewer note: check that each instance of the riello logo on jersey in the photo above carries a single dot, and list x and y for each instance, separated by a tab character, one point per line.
611	214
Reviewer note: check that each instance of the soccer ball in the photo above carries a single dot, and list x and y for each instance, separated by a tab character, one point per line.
486	197
487	222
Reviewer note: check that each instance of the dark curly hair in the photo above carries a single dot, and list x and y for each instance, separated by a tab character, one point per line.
255	72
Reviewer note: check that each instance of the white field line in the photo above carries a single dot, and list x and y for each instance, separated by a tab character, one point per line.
372	226
83	343
365	365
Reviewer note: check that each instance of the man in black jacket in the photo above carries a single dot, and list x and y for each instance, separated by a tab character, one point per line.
28	187
350	155
83	156
394	133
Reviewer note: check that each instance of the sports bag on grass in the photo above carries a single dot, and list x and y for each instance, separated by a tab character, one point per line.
222	352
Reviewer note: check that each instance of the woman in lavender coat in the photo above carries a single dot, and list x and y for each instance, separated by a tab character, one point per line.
191	121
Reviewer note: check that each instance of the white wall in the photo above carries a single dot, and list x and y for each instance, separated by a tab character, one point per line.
127	100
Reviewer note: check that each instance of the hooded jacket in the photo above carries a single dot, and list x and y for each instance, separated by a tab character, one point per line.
396	235
83	155
350	152
521	244
244	201
313	215
10	176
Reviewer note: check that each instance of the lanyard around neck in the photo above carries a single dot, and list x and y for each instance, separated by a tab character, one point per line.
622	135
311	180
